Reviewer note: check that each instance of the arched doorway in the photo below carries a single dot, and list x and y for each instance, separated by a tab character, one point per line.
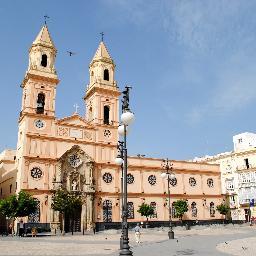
73	221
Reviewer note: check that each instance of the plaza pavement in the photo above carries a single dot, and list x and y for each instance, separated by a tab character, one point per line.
199	241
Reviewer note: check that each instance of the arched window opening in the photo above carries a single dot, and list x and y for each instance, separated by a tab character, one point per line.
130	210
106	75
40	103
92	74
10	188
44	60
35	216
194	209
153	205
212	210
106	114
107	211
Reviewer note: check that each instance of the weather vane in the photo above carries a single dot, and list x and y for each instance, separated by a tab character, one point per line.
102	36
45	19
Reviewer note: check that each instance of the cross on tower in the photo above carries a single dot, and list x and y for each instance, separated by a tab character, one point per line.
76	108
102	36
45	19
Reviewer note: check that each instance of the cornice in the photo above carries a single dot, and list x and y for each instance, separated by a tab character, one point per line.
162	195
28	114
175	170
39	78
106	90
76	141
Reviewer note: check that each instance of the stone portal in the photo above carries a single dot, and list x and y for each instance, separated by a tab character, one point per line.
74	172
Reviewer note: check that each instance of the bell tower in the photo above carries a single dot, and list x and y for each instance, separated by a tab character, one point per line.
101	99
39	84
37	114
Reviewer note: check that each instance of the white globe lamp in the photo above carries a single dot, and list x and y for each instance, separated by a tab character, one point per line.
121	130
127	118
119	160
172	176
163	175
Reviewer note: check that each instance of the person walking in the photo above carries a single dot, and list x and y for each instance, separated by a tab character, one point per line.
94	228
21	228
137	233
10	230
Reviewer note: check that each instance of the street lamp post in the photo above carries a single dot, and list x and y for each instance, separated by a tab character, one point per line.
127	118
169	175
119	160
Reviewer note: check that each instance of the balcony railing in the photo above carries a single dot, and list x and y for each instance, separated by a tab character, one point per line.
245	167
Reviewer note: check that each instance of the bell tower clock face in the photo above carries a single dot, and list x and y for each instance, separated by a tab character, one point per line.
39	124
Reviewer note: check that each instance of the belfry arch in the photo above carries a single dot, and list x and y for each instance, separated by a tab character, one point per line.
74	172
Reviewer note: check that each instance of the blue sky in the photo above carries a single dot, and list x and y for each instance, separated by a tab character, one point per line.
192	65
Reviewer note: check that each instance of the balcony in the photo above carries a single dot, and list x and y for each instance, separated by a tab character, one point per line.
246	167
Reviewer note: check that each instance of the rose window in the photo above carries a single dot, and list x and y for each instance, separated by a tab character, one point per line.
210	183
36	173
107	177
74	161
152	179
192	182
173	182
130	178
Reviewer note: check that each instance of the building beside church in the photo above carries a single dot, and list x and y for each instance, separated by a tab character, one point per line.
77	153
238	175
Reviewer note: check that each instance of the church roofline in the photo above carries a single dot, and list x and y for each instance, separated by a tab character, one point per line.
72	117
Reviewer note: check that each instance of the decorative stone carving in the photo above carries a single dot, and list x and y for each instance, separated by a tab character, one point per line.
63	131
88	135
78	178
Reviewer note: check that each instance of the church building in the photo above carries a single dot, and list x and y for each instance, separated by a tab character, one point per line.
78	153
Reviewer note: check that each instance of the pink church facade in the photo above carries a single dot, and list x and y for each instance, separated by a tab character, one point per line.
78	153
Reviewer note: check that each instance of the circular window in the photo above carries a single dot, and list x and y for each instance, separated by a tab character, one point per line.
192	182
36	173
107	177
173	182
152	179
107	134
130	178
210	183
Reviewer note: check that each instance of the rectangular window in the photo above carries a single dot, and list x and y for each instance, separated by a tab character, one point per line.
11	188
229	184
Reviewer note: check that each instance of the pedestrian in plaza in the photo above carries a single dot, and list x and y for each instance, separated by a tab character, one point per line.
10	229
137	233
94	228
21	228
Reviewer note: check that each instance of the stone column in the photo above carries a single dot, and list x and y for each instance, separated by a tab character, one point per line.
84	214
89	211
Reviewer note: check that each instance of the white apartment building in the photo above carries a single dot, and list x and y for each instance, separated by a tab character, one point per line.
238	175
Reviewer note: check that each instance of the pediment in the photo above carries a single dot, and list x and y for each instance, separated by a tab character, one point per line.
74	120
76	150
